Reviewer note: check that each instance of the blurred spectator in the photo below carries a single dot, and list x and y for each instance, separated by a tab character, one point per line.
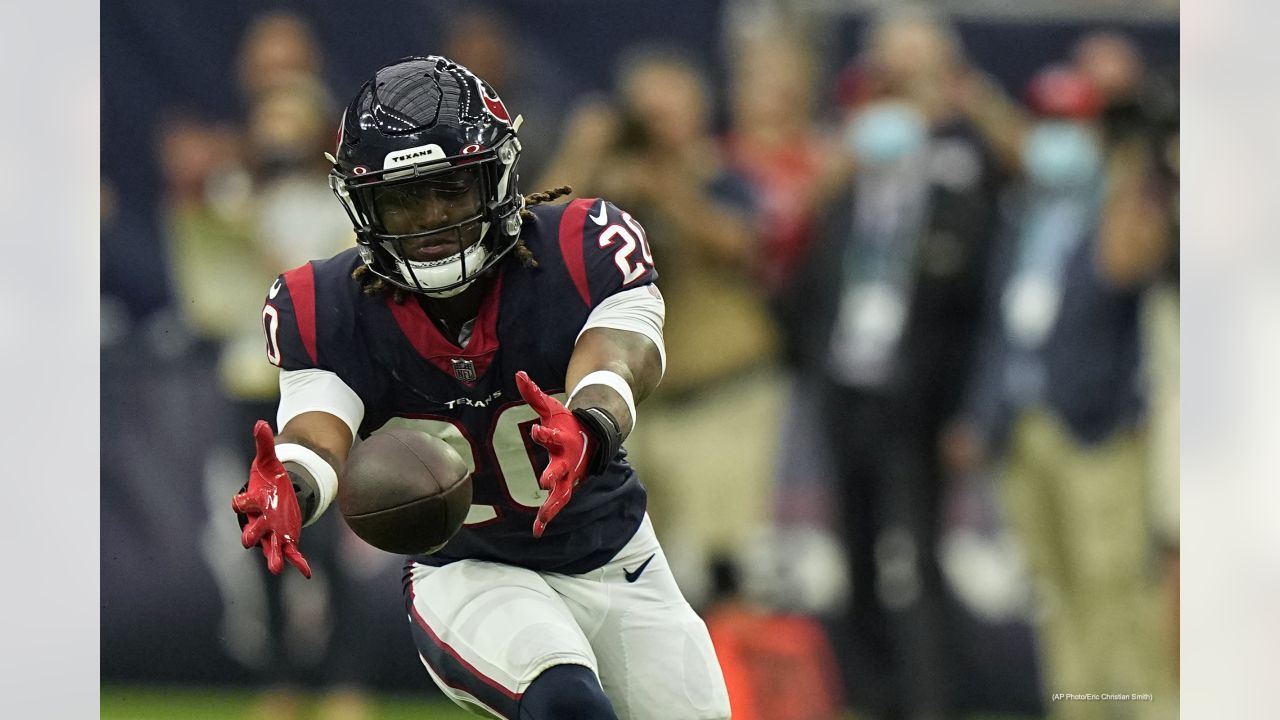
481	38
297	219
1058	399
1160	318
776	141
707	443
218	272
887	311
289	131
277	48
1111	64
206	219
271	210
1140	120
294	215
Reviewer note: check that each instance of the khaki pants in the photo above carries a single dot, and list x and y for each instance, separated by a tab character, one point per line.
1162	337
1082	515
708	463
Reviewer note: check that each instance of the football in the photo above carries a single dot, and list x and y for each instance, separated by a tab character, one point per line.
404	491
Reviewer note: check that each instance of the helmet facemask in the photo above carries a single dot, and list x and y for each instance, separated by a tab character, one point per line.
401	214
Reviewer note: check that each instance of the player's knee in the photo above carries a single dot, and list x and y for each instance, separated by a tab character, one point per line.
566	692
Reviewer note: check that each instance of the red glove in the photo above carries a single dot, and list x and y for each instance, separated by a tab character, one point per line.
271	505
568	444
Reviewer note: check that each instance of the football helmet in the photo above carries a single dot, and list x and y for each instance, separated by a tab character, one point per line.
426	170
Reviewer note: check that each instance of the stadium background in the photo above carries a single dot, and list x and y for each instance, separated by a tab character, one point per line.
162	405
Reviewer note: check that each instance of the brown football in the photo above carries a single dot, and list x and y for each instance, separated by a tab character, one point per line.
404	491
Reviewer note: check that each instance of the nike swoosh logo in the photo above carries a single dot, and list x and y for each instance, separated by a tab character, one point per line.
633	575
602	218
275	289
582	458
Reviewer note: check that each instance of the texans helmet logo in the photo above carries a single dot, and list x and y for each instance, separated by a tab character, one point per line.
493	104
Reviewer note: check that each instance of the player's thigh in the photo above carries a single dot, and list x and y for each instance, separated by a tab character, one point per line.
655	657
485	630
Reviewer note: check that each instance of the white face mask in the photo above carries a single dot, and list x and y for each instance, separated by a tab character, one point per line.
885	132
1061	154
440	273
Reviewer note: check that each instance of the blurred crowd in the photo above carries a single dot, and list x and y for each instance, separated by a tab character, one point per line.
922	333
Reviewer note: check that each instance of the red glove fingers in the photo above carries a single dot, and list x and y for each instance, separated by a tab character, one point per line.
271	550
568	448
253	532
245	504
558	498
269	502
295	558
542	403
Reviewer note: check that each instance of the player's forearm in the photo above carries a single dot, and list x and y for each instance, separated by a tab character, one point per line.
313	448
630	356
323	433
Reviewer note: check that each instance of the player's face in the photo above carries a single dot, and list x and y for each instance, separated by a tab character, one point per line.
432	204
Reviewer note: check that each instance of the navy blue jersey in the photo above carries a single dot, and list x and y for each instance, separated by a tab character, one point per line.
409	374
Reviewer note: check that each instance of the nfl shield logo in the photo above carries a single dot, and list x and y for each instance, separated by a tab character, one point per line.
464	370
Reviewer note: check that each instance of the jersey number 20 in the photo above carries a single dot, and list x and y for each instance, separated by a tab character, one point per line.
631	270
515	463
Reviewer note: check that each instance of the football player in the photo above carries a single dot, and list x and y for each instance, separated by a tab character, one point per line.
523	334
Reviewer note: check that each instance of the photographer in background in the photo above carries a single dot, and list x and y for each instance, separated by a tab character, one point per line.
887	310
1140	124
708	461
1058	401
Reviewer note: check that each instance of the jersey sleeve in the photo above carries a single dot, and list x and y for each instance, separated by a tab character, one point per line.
605	249
289	320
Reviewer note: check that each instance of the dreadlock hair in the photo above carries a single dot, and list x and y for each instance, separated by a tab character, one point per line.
374	285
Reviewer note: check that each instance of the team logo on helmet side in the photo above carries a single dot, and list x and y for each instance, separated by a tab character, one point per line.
493	104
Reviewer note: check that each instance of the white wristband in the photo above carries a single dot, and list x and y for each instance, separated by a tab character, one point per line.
326	477
615	381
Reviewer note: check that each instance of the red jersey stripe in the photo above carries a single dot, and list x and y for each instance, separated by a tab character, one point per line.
448	649
302	290
432	345
571	224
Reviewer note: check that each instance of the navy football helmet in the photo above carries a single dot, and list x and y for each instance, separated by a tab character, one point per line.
426	170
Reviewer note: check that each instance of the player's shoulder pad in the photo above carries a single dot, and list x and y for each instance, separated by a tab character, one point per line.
334	273
290	310
328	277
604	248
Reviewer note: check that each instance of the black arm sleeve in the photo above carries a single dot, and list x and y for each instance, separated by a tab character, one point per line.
603	428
